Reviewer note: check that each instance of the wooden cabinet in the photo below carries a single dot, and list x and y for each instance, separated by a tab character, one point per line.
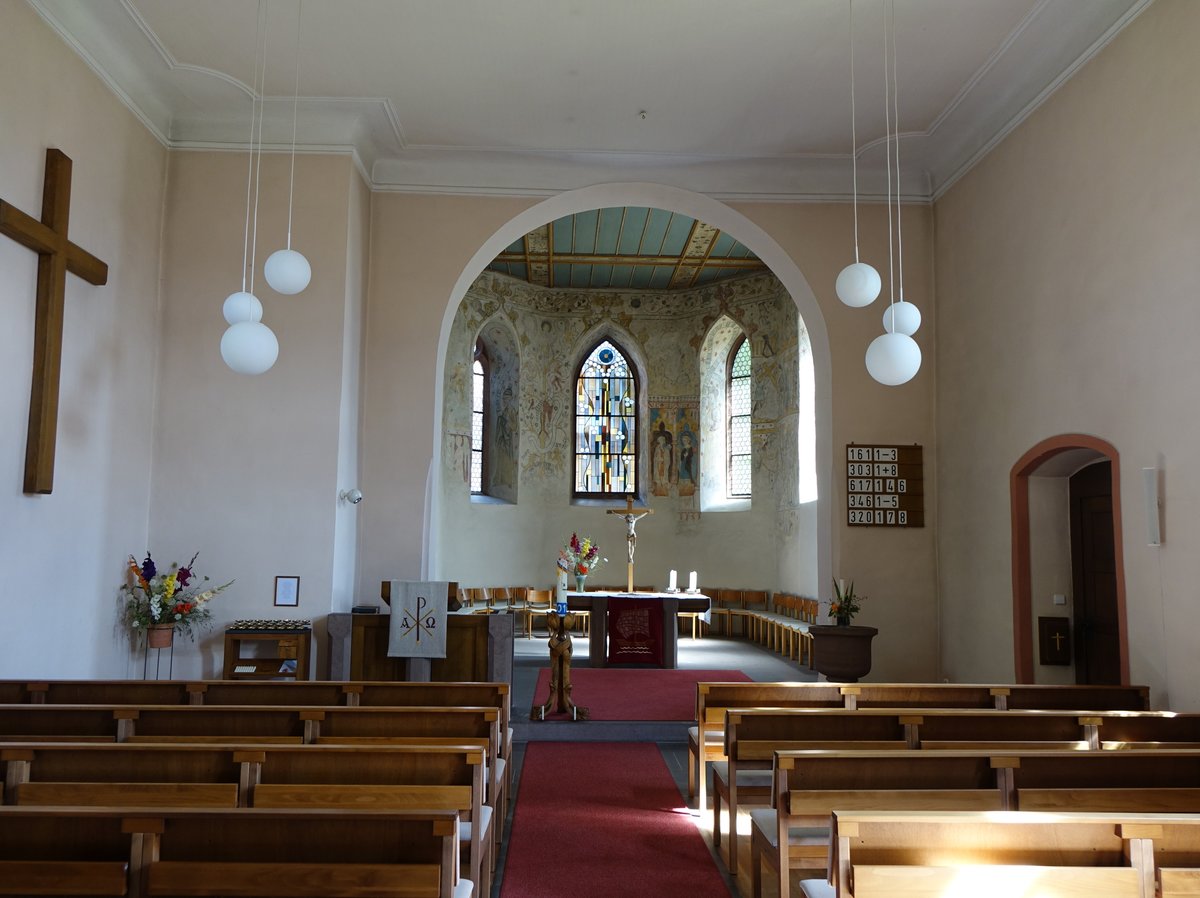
274	654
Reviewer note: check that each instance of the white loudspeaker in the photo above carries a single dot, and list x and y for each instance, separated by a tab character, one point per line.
1150	484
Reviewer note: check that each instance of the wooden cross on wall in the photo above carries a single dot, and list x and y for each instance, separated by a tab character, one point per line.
56	256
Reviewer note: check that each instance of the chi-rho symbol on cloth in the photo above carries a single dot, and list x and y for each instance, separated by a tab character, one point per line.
418	625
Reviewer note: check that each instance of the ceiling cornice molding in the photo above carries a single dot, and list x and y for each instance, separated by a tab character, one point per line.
118	44
1135	10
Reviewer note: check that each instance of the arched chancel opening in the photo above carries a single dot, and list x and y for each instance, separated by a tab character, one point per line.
716	214
1030	463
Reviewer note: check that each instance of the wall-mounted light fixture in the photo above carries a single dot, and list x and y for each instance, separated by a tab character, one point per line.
352	496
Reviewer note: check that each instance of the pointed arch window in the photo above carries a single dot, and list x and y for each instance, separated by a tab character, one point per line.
479	392
737	438
606	404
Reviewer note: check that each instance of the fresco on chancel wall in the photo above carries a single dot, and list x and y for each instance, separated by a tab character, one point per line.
533	447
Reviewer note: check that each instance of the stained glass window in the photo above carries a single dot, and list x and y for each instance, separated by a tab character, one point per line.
605	424
739	420
478	391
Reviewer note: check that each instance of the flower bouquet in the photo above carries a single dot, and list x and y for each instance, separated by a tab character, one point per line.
174	598
579	557
846	603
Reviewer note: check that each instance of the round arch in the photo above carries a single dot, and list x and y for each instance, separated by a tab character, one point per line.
1029	463
710	211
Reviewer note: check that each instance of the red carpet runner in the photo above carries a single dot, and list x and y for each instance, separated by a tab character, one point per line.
636	694
604	820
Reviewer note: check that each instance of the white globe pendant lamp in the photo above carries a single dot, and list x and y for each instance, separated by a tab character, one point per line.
902	318
893	359
242	306
286	270
249	347
858	284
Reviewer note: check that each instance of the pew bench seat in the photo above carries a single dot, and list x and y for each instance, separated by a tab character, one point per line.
294	879
145	795
63	878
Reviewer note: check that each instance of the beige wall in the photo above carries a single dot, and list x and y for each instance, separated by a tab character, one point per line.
61	555
1066	271
246	469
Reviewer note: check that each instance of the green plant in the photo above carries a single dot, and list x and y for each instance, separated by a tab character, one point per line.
846	602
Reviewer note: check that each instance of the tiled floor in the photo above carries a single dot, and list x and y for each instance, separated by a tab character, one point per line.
712	653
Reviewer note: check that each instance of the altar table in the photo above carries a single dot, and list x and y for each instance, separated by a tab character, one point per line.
671	603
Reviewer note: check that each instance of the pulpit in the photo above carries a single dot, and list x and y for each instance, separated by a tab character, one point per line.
479	648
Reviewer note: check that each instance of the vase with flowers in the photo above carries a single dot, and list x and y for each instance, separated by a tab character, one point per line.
579	557
841	652
846	603
160	602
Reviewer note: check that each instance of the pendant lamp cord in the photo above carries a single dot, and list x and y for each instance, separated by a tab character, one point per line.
853	133
295	110
887	142
262	105
896	121
250	159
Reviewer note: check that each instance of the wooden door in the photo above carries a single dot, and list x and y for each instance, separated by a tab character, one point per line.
1094	572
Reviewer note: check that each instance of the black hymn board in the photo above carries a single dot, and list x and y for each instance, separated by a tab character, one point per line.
885	486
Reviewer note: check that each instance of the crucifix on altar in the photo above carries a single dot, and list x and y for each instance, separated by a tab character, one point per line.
56	256
630	517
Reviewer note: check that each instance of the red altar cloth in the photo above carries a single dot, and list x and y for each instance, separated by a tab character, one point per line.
635	629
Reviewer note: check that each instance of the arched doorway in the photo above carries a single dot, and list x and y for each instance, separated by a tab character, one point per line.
1061	456
697	206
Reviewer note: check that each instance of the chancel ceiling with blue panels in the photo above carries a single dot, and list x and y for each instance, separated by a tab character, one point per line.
627	248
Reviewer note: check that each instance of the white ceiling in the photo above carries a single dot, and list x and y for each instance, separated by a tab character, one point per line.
742	100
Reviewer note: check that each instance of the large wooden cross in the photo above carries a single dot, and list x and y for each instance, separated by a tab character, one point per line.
56	256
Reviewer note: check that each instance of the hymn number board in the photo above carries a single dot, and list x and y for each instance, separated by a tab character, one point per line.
885	486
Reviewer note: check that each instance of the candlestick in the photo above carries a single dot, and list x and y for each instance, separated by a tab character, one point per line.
692	582
672	583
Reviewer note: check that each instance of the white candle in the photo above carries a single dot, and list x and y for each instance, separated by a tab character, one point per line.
692	581
673	584
842	586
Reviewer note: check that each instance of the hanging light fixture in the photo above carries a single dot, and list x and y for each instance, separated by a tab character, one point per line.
248	346
287	271
858	283
894	357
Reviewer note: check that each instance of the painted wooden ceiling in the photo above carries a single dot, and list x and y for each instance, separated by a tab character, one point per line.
628	248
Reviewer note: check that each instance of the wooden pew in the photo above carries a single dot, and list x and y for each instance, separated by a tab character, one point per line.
1154	772
51	852
254	724
127	775
377	776
753	736
254	851
952	778
1011	854
713	699
289	693
706	738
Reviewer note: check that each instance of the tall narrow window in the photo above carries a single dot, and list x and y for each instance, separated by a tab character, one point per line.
605	424
738	404
479	385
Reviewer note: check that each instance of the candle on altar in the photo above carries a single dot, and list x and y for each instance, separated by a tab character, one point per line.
672	583
692	582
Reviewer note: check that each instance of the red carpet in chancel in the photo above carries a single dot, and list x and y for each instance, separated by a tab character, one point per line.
604	820
636	694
